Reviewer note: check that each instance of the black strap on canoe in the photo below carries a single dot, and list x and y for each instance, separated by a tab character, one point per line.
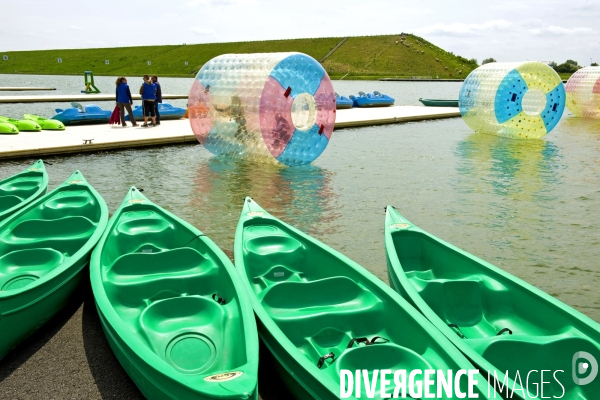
501	331
358	340
195	237
458	331
325	357
374	340
219	299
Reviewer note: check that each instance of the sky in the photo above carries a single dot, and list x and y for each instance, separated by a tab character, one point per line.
549	30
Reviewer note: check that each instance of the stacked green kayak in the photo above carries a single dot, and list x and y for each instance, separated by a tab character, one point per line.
498	321
172	307
6	128
44	248
320	313
21	189
45	123
22	124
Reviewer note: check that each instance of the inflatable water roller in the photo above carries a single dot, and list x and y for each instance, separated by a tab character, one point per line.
261	106
583	93
517	100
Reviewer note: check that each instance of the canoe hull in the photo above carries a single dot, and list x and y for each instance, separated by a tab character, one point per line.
21	189
46	124
44	247
439	103
500	323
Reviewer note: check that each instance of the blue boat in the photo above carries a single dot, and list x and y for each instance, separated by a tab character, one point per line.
80	115
342	102
374	99
166	111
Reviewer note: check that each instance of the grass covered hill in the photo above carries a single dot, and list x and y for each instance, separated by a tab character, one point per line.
365	57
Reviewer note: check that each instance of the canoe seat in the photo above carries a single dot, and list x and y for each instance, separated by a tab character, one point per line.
9	201
132	267
70	203
22	187
465	302
381	356
62	228
139	277
266	252
187	332
22	267
302	309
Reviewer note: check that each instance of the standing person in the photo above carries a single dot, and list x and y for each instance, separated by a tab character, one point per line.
158	98
236	111
124	100
148	92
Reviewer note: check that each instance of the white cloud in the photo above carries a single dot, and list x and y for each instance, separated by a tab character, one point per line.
462	29
203	31
214	3
75	27
554	30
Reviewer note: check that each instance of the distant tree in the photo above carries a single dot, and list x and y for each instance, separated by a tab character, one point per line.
567	67
473	61
594	64
488	60
552	64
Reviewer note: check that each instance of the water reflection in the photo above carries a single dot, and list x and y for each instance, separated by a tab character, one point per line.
302	196
522	170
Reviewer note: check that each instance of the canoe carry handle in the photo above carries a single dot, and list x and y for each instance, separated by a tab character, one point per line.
358	340
458	332
219	299
504	330
325	357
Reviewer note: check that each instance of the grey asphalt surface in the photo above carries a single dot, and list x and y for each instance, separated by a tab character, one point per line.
69	358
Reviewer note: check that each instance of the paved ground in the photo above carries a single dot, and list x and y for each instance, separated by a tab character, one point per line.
69	358
106	137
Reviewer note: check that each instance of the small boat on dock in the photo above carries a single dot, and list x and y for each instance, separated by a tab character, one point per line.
19	190
81	115
23	124
44	248
6	128
439	103
374	99
505	326
342	102
173	307
45	123
319	313
166	111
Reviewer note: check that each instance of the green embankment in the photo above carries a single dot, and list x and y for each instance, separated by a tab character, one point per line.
367	57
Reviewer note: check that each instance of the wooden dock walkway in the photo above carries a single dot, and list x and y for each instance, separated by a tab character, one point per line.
106	137
24	89
67	98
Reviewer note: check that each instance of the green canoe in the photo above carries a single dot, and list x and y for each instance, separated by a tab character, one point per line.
439	103
45	123
21	189
319	313
6	128
501	323
23	124
172	307
44	248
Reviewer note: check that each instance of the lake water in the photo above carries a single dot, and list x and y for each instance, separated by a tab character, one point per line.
530	207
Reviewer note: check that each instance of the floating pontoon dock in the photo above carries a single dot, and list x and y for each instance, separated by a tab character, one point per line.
77	97
106	137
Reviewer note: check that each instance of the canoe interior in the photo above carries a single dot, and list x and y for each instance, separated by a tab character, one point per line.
160	277
481	302
321	303
21	187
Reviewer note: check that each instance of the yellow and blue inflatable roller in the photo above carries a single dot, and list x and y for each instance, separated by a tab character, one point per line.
516	100
263	106
583	93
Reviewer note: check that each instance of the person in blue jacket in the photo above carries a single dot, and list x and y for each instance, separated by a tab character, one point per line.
148	92
158	98
124	100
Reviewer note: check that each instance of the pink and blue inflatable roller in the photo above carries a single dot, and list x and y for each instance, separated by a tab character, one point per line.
263	106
